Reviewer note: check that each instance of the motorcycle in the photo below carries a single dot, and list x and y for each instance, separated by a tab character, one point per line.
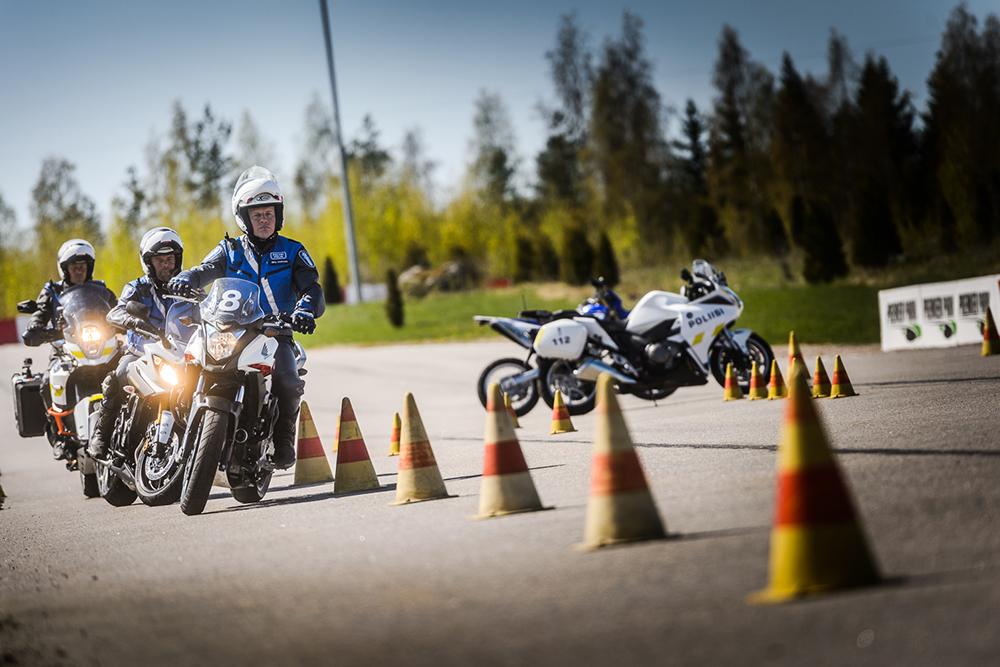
144	448
233	411
667	341
84	349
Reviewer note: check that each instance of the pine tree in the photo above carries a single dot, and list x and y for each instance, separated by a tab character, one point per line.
577	257
546	259
524	259
605	263
331	283
393	300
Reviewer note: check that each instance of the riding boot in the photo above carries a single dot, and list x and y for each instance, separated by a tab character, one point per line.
97	448
287	386
284	436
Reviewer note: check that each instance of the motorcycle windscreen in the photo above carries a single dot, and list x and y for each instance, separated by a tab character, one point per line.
85	307
179	324
232	302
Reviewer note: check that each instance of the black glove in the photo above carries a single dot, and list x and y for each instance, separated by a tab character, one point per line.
181	287
303	321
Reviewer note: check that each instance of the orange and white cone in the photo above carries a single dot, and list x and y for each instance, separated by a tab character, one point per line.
560	416
821	381
507	486
732	390
794	352
355	471
510	410
394	436
776	387
311	465
841	385
991	337
621	507
758	389
817	542
419	477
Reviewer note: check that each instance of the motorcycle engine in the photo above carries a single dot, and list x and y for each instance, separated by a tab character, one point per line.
664	353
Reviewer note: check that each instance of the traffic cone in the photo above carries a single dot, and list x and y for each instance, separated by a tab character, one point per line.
419	477
732	390
621	508
817	541
991	337
510	410
311	465
394	437
821	381
560	416
776	387
841	385
507	486
355	471
794	352
758	389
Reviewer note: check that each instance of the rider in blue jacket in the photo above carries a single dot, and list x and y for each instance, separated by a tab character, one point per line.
288	280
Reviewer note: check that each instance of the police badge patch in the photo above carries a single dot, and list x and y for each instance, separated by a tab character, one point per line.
304	256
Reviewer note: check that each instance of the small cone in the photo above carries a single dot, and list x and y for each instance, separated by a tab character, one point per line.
732	390
394	437
621	508
841	385
419	477
776	387
758	389
817	542
560	416
991	337
311	465
355	471
510	410
507	486
794	352
821	381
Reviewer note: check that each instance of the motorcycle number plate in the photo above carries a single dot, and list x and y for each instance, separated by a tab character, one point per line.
561	339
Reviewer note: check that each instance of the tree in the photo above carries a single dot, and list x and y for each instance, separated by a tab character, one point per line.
251	146
605	263
314	168
812	225
393	300
699	223
546	258
8	225
524	259
202	144
331	283
60	209
371	159
132	207
577	257
492	146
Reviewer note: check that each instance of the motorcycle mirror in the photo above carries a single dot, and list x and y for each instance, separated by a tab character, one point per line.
598	281
27	307
685	275
136	309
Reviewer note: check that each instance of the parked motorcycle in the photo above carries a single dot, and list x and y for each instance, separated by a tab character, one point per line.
145	457
233	411
667	341
60	404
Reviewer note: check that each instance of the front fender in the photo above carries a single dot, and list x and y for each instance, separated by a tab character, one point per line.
740	337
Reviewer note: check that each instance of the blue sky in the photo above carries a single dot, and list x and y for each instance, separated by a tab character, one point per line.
94	82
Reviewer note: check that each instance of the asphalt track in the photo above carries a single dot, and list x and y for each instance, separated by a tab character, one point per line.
308	578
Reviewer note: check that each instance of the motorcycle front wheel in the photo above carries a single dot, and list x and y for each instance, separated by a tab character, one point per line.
199	472
522	397
757	350
579	395
158	478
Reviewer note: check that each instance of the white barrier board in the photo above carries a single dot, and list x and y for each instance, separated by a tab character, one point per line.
937	314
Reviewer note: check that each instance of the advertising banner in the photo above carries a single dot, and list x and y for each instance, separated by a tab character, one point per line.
937	314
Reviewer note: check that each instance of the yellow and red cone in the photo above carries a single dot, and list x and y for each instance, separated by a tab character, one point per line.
821	381
394	436
794	352
510	410
758	389
841	384
991	337
507	486
355	471
621	507
560	416
731	390
817	542
776	386
311	465
419	477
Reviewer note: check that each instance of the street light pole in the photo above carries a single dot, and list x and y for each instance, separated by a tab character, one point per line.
352	247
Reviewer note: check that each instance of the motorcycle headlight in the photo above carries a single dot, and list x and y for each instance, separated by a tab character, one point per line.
91	334
221	344
166	370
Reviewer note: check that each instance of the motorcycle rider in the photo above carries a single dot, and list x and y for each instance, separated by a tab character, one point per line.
161	253
288	280
75	261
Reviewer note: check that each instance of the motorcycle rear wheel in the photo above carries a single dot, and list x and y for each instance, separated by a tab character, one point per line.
88	482
580	396
113	488
502	369
199	472
253	493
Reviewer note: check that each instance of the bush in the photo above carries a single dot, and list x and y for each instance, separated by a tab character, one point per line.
393	300
524	260
331	283
577	257
546	259
605	264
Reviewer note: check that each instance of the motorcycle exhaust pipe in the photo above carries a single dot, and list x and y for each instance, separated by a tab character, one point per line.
592	368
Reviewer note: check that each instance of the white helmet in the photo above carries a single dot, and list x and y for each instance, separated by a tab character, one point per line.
75	250
256	187
160	241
